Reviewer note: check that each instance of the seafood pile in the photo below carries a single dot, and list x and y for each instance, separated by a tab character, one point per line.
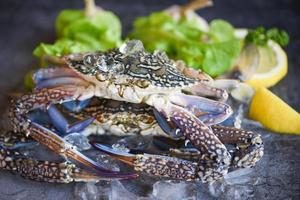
127	91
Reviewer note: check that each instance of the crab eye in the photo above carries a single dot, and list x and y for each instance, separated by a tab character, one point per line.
101	64
89	60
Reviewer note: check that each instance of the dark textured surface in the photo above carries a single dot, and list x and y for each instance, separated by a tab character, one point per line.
26	23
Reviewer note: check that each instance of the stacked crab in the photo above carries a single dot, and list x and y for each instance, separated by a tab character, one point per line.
121	92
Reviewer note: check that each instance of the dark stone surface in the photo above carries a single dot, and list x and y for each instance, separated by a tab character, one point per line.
24	24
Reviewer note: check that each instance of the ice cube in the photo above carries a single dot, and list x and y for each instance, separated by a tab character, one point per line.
107	162
238	184
119	192
92	191
78	140
239	192
169	190
239	176
132	47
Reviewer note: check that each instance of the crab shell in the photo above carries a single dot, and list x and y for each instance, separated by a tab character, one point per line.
130	74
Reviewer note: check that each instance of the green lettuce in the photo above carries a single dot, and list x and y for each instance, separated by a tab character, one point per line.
214	51
78	33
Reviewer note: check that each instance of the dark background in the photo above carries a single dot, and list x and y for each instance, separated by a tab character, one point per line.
24	24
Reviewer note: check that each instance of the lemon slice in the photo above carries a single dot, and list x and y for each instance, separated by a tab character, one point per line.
273	64
272	68
274	113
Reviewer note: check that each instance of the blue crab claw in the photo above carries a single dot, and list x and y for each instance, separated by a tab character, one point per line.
63	148
248	145
76	106
154	165
210	112
56	77
56	82
207	90
52	72
62	125
202	138
167	126
39	116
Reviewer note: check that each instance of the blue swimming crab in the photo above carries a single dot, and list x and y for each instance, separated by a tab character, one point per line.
182	102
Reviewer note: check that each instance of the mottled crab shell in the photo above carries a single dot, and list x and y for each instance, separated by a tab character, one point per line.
130	64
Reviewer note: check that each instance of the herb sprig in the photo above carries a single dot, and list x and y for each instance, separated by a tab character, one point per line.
260	36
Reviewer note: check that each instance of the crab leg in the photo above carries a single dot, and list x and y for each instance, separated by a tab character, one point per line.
38	170
205	90
44	97
155	165
248	150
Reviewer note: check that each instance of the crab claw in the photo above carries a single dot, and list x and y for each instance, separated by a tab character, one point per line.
206	90
63	126
155	165
207	111
63	148
52	72
210	112
166	125
249	145
200	135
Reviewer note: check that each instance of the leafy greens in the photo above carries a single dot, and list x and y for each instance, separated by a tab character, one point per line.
214	51
79	33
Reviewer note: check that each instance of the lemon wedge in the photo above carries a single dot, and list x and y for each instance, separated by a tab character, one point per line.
273	66
274	113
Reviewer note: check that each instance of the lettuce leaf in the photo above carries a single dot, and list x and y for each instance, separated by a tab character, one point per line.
221	30
78	33
214	52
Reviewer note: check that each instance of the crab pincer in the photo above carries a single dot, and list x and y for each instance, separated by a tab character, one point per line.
248	145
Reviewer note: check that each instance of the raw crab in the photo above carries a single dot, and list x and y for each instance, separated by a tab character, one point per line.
126	74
